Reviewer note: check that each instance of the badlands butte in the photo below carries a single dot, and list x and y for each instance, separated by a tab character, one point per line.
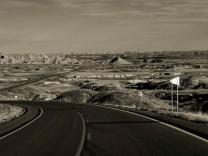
116	79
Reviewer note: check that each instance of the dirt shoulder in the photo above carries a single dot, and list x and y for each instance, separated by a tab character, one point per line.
9	112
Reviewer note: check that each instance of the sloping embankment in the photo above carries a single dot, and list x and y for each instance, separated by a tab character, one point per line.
9	112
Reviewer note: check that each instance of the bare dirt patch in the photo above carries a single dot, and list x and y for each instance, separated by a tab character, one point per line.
8	112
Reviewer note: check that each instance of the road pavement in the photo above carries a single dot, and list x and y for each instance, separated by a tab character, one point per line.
108	133
56	133
113	132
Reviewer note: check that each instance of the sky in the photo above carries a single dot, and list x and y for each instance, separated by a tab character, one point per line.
55	26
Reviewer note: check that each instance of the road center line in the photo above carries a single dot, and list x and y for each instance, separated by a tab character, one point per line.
81	144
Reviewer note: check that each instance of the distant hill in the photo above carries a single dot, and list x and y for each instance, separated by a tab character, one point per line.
75	96
111	58
118	60
36	59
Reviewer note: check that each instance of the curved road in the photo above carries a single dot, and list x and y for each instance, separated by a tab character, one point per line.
57	132
109	132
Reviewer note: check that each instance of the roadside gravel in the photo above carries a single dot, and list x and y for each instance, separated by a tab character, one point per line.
9	112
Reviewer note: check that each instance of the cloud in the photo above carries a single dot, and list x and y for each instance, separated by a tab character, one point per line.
48	22
35	2
114	7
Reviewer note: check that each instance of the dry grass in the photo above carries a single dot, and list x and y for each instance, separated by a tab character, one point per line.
190	116
161	107
197	117
8	112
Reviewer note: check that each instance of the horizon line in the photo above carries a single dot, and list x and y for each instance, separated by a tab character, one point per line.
104	52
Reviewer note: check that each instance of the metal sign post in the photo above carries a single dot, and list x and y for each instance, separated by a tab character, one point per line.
177	98
175	81
140	94
141	97
172	96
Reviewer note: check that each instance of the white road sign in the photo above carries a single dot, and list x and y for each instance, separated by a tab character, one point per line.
175	81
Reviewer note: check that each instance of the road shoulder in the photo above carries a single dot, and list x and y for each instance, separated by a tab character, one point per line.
15	124
197	129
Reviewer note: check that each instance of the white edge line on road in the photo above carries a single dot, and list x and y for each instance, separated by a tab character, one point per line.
163	123
25	125
81	144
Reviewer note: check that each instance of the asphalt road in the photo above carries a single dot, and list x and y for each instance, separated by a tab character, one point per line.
116	133
56	133
108	133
